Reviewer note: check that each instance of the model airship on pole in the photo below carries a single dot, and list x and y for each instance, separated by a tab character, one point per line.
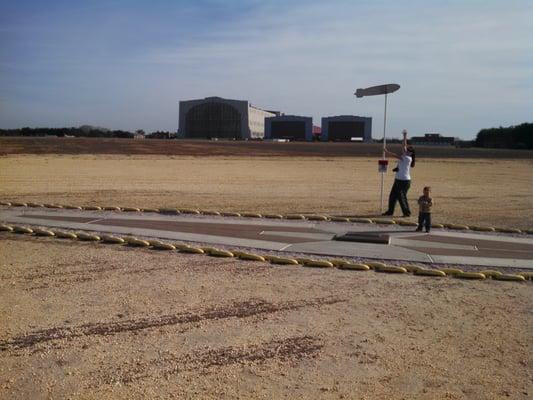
374	91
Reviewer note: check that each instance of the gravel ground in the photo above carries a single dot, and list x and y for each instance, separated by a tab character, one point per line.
84	320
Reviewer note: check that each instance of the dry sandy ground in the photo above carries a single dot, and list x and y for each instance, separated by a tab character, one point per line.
89	321
473	191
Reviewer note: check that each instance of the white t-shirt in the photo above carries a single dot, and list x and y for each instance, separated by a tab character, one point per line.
404	165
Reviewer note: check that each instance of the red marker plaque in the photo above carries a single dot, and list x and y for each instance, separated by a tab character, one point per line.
382	165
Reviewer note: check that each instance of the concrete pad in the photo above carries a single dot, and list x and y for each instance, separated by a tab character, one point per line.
483	261
423	245
441	246
303	235
362	250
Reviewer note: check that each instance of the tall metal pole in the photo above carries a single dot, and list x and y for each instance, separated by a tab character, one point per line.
384	143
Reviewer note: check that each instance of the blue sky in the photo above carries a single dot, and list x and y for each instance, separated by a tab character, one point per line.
462	65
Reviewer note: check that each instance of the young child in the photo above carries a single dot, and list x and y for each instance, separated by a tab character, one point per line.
425	203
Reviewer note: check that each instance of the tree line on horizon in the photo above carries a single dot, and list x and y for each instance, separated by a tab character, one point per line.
512	137
82	131
62	132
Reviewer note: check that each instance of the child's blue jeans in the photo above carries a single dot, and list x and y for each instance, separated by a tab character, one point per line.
424	220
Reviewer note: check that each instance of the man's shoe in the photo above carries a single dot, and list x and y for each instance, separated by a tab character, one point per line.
418	230
387	214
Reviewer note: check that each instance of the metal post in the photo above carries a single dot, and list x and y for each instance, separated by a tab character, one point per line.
384	155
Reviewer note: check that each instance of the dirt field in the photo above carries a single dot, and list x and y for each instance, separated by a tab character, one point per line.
86	321
496	192
228	148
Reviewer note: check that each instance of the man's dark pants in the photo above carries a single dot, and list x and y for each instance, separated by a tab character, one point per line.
399	193
424	220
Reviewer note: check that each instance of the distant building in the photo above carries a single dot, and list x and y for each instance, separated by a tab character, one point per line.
290	127
346	128
433	139
317	132
161	135
215	117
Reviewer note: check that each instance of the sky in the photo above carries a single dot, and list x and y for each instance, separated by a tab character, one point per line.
125	64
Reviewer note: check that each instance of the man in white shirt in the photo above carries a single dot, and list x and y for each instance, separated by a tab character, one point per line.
402	181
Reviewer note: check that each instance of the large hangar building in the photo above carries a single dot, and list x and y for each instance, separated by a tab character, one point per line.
215	117
290	127
346	128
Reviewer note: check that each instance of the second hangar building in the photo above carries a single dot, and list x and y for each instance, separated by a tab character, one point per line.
291	127
346	128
